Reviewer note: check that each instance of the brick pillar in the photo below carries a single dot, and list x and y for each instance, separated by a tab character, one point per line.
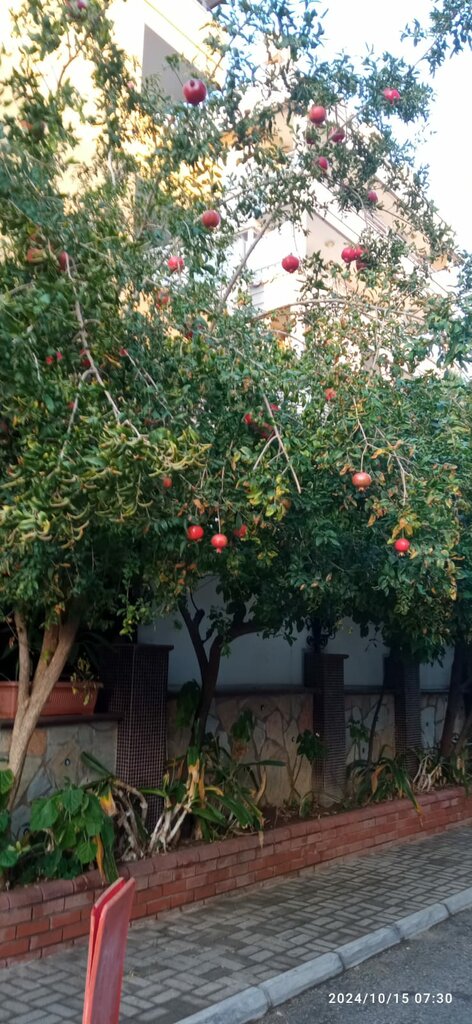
402	676
324	673
135	687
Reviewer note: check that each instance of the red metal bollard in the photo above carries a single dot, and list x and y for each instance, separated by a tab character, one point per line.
107	947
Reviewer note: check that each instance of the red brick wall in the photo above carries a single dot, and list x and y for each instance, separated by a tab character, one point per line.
38	920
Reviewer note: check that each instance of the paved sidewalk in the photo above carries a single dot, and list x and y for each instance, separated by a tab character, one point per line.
190	959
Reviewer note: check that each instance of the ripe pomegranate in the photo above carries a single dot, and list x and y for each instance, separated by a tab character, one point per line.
337	135
401	545
391	95
240	531
361	480
49	360
75	6
317	115
167	482
195	533
248	418
175	263
219	541
349	254
59	356
194	91
290	263
211	219
162	298
330	394
323	163
123	352
63	261
372	197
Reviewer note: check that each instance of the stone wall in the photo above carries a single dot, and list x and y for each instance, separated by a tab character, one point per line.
281	716
360	708
279	719
54	756
433	711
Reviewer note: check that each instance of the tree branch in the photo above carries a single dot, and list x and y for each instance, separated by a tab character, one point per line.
281	444
242	264
49	668
193	624
24	659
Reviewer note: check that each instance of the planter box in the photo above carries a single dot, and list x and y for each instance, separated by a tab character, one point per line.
40	919
62	700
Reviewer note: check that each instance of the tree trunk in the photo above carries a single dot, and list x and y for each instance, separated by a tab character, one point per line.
209	664
454	699
56	647
464	736
209	681
373	728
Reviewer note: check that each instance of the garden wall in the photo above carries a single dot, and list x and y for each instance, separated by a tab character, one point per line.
54	755
41	919
280	715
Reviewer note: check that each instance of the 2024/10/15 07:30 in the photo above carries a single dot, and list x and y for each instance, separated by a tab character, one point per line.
384	998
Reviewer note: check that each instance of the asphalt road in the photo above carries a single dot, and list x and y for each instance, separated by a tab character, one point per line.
437	962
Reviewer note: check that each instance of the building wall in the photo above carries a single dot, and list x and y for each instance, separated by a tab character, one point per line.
257	663
148	31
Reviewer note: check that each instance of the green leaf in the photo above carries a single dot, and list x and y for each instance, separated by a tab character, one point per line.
209	814
6	780
86	852
72	799
44	813
4	821
8	856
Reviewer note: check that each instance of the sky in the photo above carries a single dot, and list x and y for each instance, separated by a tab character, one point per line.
349	25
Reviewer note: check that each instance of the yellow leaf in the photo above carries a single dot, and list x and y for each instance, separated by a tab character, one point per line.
378	451
107	803
372	519
99	857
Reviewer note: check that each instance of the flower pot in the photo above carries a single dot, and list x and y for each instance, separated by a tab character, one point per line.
61	701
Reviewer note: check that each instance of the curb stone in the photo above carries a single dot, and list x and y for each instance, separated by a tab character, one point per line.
413	924
460	901
255	1001
297	980
353	953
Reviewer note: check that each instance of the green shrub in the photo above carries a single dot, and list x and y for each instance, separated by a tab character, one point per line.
69	832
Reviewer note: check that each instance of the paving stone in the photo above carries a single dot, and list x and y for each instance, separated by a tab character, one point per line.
32	1017
63	1010
180	964
153	1015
